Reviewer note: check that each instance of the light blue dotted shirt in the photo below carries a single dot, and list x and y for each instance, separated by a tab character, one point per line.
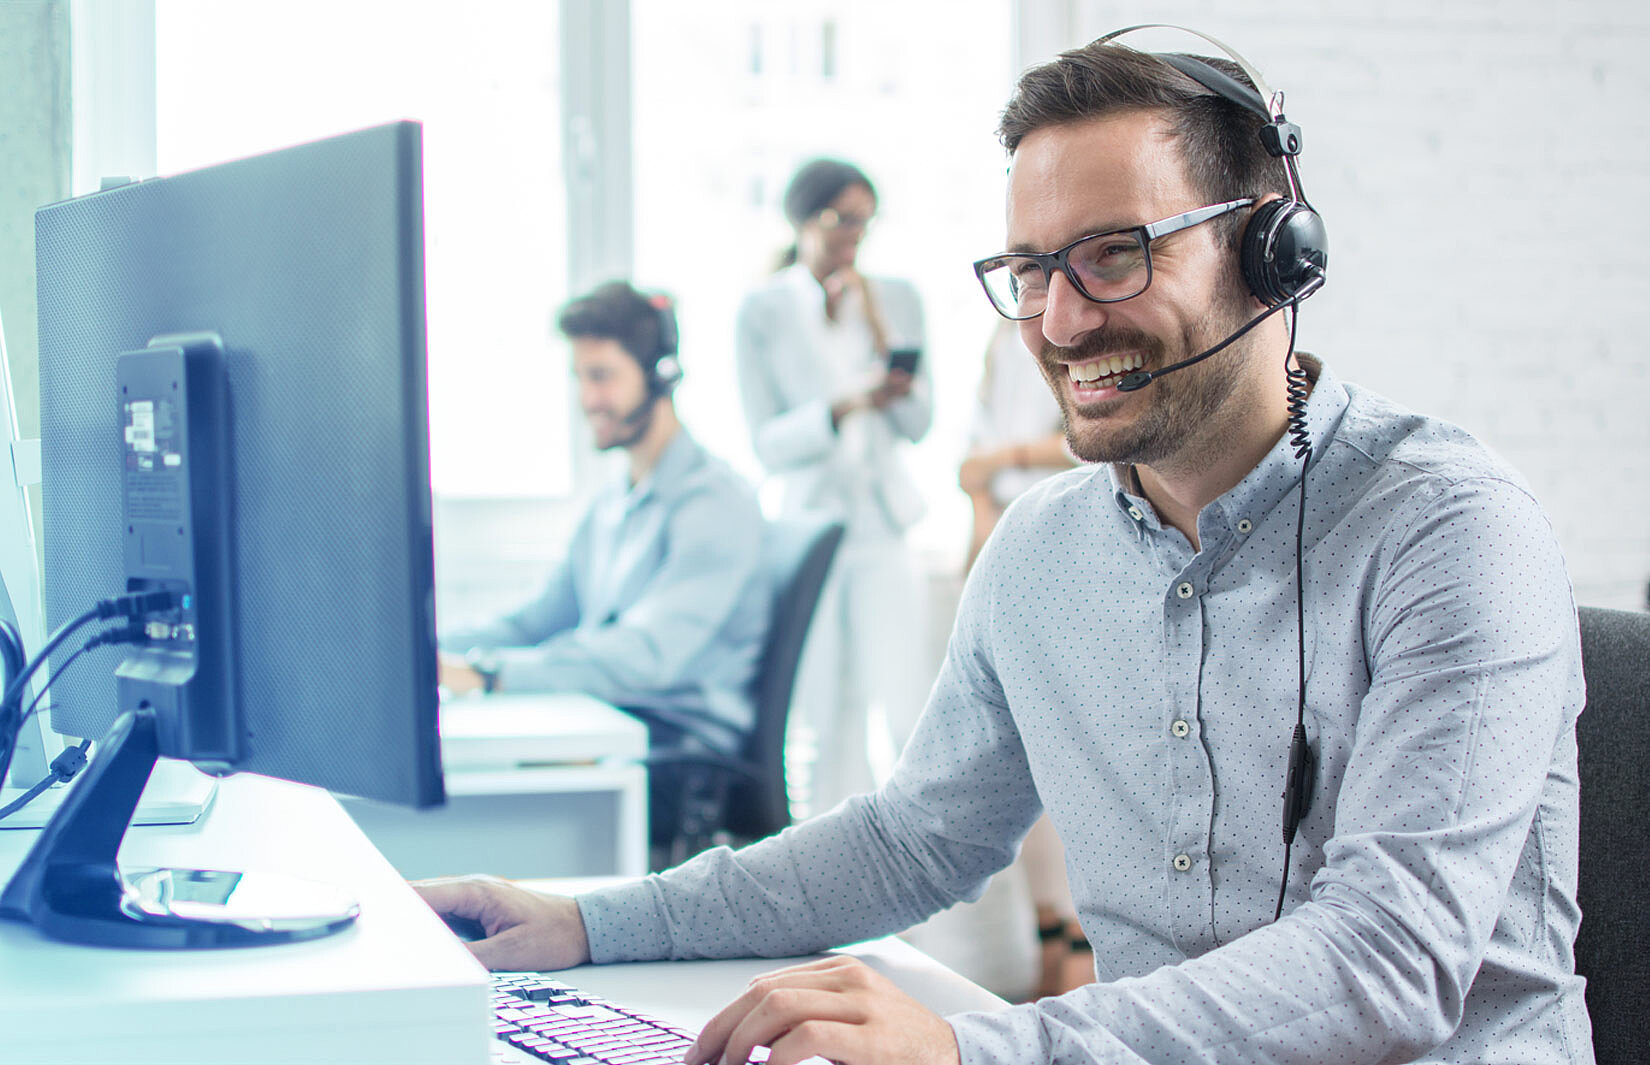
1144	694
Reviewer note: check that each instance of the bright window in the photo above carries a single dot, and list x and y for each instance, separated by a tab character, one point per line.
235	79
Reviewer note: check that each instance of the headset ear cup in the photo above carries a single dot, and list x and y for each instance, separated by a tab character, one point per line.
665	376
666	373
1284	247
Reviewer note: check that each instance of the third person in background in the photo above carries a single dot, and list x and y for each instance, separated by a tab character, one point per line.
1018	437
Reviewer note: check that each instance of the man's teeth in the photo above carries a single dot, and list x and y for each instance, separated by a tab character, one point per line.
1104	369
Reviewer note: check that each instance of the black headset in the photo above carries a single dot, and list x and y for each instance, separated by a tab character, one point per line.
665	371
1285	248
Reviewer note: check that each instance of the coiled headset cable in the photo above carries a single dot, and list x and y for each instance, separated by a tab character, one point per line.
1297	788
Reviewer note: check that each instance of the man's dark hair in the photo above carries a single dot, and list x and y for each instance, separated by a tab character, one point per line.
615	311
1219	140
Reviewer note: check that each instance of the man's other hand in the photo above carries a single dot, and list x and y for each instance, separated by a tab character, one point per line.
839	1008
525	930
456	676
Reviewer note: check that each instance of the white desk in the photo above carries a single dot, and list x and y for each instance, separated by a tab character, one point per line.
395	987
537	785
690	993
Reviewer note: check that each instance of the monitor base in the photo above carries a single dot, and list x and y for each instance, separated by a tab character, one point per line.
70	887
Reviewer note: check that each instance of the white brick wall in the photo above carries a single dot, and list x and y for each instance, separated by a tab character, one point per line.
1481	166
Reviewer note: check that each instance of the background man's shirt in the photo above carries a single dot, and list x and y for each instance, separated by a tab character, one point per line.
659	601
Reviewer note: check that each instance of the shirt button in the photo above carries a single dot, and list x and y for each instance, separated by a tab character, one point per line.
1185	590
1181	729
1245	525
1136	514
1182	863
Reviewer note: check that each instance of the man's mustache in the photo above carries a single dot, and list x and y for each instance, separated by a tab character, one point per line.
1107	340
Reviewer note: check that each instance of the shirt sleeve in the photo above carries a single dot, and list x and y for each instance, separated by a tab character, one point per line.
556	609
1474	685
783	437
714	541
953	814
912	415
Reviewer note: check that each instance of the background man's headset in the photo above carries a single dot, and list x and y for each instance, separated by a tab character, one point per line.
665	373
662	367
1284	254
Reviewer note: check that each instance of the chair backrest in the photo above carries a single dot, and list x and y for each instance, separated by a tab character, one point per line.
1613	738
796	556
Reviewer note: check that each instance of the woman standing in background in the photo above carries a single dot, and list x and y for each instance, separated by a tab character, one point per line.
827	410
1018	436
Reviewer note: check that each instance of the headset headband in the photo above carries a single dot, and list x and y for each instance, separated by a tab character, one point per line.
1271	104
1285	250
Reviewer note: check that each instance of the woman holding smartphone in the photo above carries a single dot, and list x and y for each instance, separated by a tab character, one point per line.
833	383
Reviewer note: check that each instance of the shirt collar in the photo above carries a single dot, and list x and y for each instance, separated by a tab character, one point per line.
805	288
675	463
1278	473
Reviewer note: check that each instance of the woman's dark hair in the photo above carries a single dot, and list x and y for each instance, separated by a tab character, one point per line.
615	311
812	188
816	183
1219	140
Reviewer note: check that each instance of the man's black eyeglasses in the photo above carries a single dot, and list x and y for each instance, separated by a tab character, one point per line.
1104	267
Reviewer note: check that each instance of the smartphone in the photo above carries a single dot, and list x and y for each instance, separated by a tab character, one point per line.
904	359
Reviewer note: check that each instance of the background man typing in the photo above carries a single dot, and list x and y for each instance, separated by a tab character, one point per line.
658	601
1131	656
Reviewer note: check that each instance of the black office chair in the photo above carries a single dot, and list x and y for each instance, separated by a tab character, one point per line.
1613	737
719	798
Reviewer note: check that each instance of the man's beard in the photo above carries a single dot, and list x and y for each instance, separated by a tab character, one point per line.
632	426
1186	400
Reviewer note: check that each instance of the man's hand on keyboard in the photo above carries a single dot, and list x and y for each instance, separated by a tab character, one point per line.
839	1008
526	930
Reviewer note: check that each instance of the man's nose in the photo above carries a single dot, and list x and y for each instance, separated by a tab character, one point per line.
1068	314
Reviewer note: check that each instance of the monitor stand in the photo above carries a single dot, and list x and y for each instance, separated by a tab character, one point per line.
71	888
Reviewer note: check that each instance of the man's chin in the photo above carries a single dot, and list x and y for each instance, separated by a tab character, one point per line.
1094	440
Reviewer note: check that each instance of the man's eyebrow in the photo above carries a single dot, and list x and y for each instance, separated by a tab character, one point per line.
1024	248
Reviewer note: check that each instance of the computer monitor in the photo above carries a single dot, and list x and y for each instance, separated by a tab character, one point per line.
233	413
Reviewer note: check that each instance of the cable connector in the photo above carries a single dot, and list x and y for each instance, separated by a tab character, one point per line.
137	604
71	761
133	631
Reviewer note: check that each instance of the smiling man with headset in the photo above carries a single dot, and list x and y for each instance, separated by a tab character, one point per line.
658	602
1275	584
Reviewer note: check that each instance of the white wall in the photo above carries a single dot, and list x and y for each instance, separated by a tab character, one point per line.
1481	167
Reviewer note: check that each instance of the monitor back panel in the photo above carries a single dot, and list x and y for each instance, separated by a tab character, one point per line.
308	262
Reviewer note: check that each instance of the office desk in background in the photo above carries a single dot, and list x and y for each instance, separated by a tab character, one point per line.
538	785
396	987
